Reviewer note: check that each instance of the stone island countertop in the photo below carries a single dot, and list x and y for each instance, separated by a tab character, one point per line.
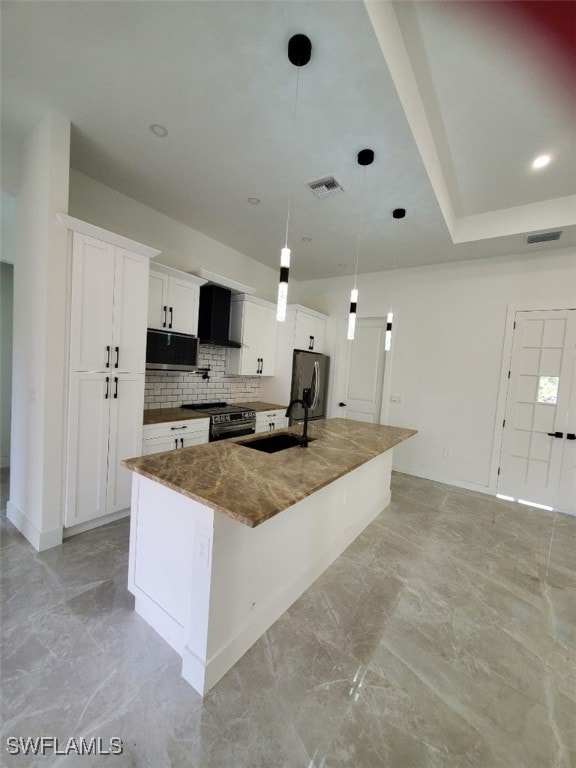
250	486
163	415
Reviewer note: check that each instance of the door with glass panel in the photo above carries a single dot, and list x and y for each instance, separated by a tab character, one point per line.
538	456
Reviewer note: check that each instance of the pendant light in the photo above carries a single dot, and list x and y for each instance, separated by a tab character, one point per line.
365	157
397	213
299	52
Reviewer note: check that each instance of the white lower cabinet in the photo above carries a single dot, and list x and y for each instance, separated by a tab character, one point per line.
268	421
104	427
173	435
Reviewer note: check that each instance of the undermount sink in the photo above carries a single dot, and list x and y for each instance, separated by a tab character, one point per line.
273	443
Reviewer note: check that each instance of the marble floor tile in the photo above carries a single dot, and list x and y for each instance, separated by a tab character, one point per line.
443	637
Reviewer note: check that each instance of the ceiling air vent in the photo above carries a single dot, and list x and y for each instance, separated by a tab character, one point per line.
325	187
543	238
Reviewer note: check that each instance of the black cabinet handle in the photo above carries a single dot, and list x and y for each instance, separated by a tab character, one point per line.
181	442
176	443
165	317
260	365
342	405
117	350
108	356
107	388
173	428
556	434
311	342
171	317
115	387
570	436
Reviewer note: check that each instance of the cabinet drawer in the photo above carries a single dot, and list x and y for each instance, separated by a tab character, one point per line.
177	429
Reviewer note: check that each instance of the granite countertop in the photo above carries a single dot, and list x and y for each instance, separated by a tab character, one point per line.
163	415
251	486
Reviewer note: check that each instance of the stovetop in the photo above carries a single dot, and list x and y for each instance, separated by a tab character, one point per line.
214	408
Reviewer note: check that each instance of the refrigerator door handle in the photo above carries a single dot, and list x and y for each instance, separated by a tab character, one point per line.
315	384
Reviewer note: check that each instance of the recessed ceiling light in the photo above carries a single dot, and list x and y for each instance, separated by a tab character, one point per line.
541	161
253	200
306	239
159	130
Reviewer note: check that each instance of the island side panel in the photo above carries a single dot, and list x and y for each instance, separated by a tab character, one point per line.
170	552
257	573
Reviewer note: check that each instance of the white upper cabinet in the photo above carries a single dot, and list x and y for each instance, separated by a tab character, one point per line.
303	329
310	330
108	307
253	324
173	300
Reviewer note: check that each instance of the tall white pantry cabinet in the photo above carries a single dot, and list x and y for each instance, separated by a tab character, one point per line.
108	279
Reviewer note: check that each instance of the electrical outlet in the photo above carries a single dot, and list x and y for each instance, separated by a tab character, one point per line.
447	453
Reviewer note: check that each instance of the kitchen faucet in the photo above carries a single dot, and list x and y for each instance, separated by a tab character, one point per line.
305	403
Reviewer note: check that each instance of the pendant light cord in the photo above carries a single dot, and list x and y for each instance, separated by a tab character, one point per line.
360	226
292	152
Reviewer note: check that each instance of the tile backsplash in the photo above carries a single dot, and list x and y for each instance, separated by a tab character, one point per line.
169	389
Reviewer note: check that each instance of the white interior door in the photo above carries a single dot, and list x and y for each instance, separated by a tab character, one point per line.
537	462
363	370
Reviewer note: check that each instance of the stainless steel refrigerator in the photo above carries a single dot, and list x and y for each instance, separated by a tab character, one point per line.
309	371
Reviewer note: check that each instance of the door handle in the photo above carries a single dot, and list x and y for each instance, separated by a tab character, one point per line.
171	317
556	434
115	387
107	395
108	356
165	317
117	350
570	436
342	405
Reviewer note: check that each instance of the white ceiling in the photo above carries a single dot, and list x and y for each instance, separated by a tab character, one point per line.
454	107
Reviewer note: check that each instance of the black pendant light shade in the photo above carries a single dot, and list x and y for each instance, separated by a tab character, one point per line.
299	50
366	157
399	213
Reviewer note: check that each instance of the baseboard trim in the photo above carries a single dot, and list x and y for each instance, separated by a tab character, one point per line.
445	480
89	525
40	540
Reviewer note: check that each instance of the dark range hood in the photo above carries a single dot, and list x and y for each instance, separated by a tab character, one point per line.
214	317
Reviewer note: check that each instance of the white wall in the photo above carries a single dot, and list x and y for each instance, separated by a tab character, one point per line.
449	323
181	247
6	303
35	504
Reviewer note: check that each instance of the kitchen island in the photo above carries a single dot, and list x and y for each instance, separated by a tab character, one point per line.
225	538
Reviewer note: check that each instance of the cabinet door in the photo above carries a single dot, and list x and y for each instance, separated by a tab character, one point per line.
309	332
87	458
126	407
183	306
160	444
130	310
195	439
267	332
251	352
157	300
92	302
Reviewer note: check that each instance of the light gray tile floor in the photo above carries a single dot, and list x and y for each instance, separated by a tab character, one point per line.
444	637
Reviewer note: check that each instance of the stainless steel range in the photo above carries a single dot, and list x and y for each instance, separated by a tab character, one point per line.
226	420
